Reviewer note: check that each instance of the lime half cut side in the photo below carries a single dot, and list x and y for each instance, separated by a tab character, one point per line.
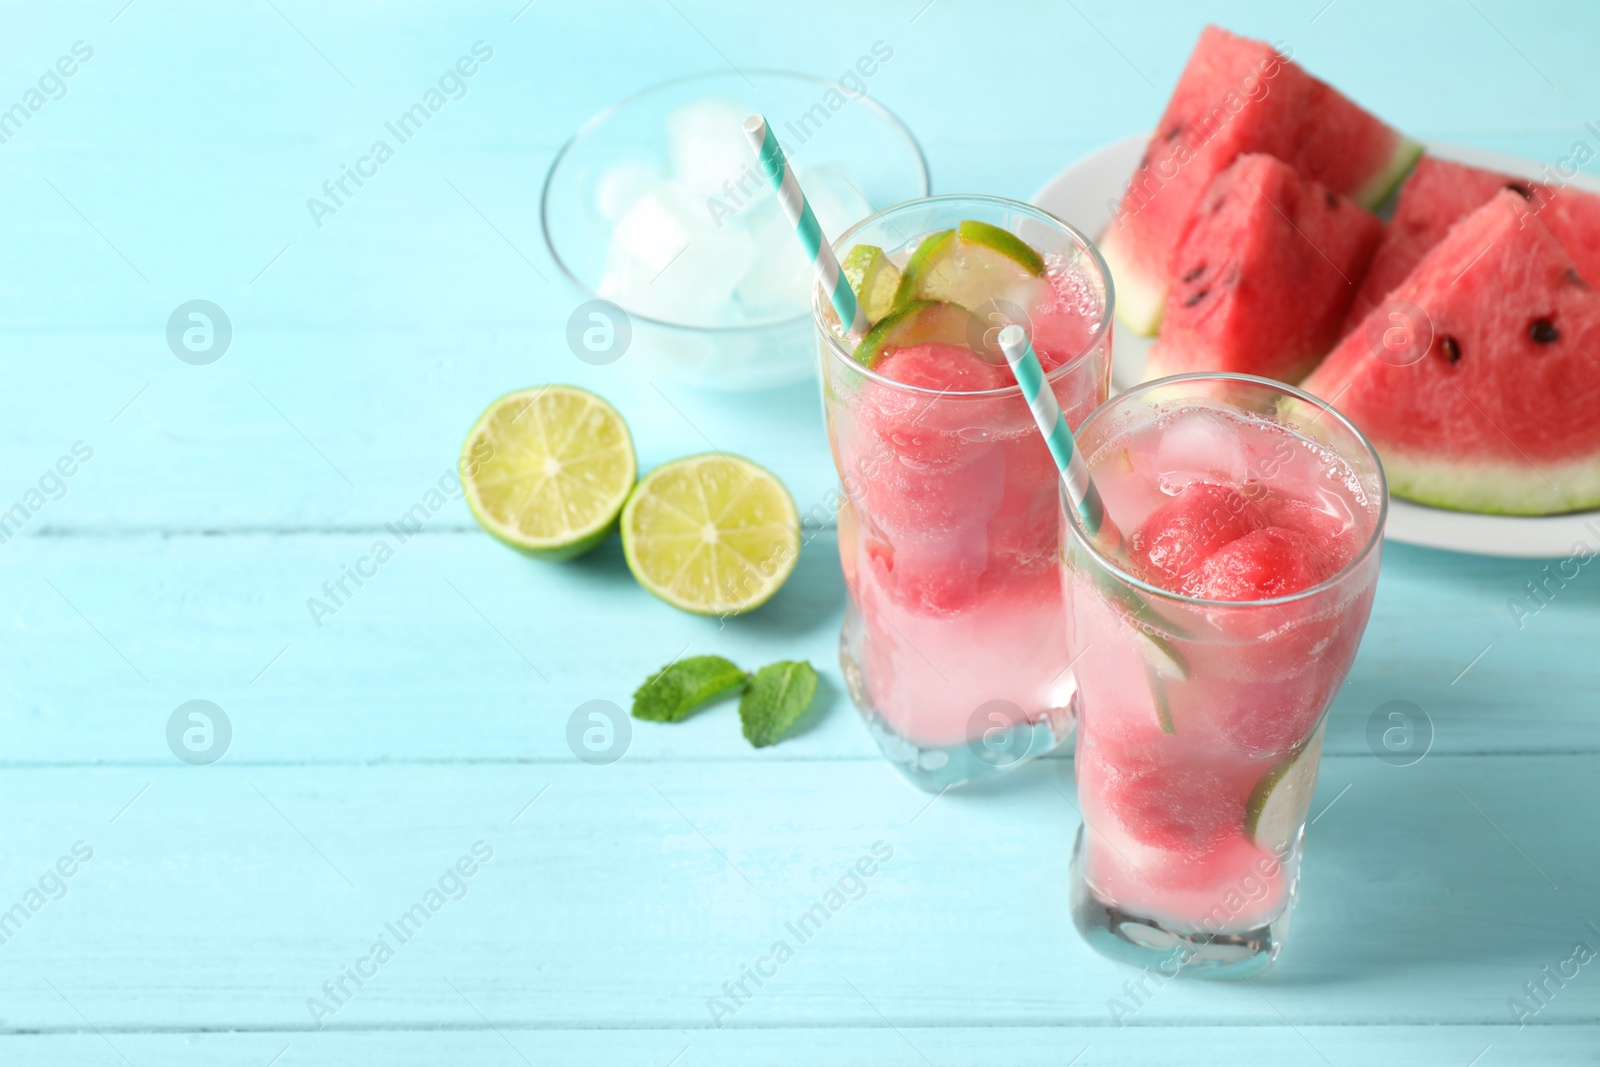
713	534
547	470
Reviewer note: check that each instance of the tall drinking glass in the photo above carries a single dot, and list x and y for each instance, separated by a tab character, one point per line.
954	645
1209	648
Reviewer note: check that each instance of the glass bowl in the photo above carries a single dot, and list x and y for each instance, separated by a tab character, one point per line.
716	313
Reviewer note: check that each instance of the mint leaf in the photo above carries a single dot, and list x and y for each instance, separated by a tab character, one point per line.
670	694
777	695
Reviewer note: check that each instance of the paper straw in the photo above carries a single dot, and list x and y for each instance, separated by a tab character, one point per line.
793	199
1057	434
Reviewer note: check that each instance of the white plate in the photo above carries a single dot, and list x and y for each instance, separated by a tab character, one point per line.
1085	195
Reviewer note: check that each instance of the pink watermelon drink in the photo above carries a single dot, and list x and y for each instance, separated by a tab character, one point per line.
954	637
1209	646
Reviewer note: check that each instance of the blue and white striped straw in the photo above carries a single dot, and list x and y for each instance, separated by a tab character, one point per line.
793	199
1057	434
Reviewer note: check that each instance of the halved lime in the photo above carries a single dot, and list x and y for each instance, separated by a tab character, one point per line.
874	279
918	323
547	470
1279	802
972	265
713	534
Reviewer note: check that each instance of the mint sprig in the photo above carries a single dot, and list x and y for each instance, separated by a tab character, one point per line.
777	695
670	694
770	701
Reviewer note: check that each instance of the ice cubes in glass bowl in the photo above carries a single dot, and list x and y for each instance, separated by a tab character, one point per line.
659	206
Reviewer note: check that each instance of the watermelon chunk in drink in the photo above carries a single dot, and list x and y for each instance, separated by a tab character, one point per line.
1178	538
1264	275
1237	96
1488	403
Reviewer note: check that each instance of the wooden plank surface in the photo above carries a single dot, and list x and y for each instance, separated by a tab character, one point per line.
429	713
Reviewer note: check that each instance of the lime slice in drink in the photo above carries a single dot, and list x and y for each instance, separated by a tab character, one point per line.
918	323
932	250
981	235
972	265
712	534
547	470
1164	661
874	279
1279	802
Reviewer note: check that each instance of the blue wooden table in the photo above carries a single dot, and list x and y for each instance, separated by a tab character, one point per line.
412	746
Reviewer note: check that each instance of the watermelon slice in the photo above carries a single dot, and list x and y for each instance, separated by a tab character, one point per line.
1236	96
1265	274
1441	193
1488	403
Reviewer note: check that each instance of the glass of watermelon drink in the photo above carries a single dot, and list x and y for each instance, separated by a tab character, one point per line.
954	644
1210	641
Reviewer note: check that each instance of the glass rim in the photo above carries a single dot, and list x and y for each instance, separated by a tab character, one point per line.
611	110
1374	538
1101	334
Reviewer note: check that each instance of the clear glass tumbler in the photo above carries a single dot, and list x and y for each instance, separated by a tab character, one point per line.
1200	720
953	645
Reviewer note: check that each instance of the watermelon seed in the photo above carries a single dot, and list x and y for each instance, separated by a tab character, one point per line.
1196	298
1195	273
1451	348
1520	189
1544	332
1332	201
1170	134
1575	278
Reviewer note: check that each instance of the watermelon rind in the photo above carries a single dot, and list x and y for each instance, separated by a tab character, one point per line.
1378	189
1494	488
1140	301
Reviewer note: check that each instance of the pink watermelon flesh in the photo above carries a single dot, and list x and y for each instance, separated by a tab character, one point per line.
1235	96
1441	193
1265	563
1177	537
940	366
1264	275
1166	803
1491	405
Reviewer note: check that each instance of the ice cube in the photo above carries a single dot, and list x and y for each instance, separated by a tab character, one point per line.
777	285
657	227
706	145
622	186
1201	445
779	282
669	261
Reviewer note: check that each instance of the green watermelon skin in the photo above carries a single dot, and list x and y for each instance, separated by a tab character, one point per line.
1235	96
1490	404
1440	193
1264	275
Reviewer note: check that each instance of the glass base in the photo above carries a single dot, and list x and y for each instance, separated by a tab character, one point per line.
1144	942
937	769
